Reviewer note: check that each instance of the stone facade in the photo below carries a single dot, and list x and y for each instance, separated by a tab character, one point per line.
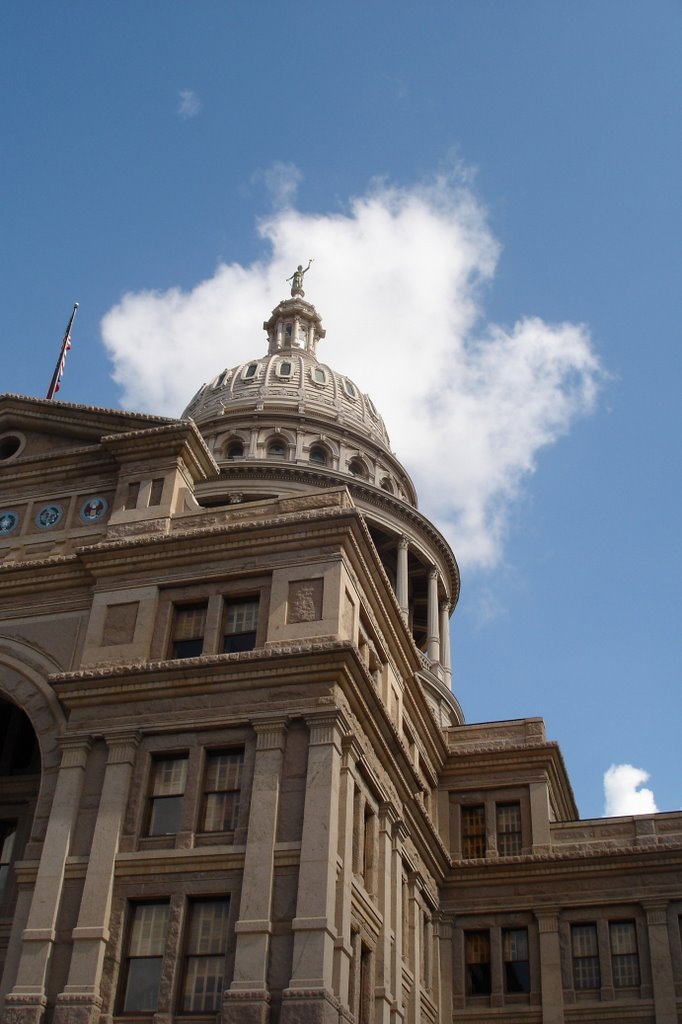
235	785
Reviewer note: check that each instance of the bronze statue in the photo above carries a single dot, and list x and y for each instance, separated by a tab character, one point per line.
297	279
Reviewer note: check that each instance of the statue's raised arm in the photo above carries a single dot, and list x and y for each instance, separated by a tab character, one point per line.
297	279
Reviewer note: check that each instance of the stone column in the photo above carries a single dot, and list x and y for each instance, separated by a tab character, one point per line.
247	1001
551	984
445	641
80	1001
432	632
398	835
384	988
414	918
444	954
343	952
402	576
309	995
661	963
25	1004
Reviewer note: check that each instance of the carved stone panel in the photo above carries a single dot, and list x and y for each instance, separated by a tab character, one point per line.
305	600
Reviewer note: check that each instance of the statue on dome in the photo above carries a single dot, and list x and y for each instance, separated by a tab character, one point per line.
297	280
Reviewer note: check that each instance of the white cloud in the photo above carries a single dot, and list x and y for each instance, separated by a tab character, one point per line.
398	280
281	180
189	105
622	792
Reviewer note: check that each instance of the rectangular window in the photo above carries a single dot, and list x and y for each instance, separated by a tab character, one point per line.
241	620
222	785
508	829
156	492
516	964
146	945
169	775
586	972
473	832
189	625
132	496
202	987
8	833
624	956
477	953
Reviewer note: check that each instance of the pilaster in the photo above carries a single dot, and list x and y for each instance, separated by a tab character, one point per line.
661	962
550	967
248	1001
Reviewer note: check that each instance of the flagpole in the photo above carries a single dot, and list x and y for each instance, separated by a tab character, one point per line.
59	368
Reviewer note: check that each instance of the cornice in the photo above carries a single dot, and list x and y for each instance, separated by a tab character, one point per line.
177	438
39	413
57	571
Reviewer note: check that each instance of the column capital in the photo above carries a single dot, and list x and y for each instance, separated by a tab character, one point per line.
656	911
403	542
327	726
351	750
433	573
122	745
75	750
445	604
270	731
548	920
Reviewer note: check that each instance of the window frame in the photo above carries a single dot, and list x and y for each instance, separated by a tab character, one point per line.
233	602
508	960
465	810
501	832
178	609
127	957
187	957
210	753
471	985
154	800
580	962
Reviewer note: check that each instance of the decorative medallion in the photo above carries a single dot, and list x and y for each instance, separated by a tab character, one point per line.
94	508
8	522
49	516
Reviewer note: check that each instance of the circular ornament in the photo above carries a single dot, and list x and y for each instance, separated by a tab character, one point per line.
94	508
8	522
49	516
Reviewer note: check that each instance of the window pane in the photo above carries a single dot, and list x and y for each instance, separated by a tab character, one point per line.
170	775
586	972
508	829
168	786
473	832
142	989
146	946
189	621
516	966
624	956
222	785
241	620
477	951
206	944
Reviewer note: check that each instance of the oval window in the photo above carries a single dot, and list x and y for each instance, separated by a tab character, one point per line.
9	446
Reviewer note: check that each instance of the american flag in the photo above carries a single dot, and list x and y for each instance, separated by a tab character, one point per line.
59	369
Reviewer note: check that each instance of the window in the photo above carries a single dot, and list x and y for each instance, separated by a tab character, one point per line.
187	635
508	829
8	833
319	376
477	952
586	973
202	987
131	496
235	450
277	450
250	371
146	944
516	965
473	832
357	468
284	369
169	775
222	784
349	388
241	619
624	956
156	492
318	455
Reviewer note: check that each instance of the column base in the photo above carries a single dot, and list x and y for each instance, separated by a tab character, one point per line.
310	1006
246	1007
23	1009
77	1009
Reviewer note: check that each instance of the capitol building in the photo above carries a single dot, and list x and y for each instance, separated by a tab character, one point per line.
236	786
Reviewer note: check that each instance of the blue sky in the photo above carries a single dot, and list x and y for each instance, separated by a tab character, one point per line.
147	145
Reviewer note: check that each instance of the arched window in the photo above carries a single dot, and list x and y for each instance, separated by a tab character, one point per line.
277	449
386	485
235	450
318	455
357	467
